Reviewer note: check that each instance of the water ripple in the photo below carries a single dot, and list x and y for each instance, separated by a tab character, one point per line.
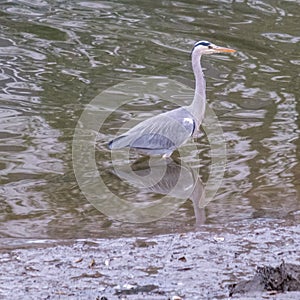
56	56
281	37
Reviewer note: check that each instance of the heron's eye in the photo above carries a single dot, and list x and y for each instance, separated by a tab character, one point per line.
210	47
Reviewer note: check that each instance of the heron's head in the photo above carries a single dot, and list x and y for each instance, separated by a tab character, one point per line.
205	47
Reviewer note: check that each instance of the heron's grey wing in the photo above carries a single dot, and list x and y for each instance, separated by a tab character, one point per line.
166	131
153	141
129	137
143	138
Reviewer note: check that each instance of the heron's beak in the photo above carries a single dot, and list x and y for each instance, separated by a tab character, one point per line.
222	49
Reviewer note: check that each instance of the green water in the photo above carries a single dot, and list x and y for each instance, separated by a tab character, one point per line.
55	57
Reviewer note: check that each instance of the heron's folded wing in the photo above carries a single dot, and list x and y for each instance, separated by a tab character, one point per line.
153	141
166	131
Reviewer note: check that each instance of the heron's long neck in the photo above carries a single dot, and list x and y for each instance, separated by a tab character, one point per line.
197	108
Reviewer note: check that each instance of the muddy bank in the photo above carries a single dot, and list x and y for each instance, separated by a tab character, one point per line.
208	264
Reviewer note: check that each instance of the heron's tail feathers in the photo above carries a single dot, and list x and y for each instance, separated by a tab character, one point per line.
118	143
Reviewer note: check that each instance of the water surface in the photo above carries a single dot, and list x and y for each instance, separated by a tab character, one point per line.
56	57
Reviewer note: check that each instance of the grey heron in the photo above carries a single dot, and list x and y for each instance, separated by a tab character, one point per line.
164	133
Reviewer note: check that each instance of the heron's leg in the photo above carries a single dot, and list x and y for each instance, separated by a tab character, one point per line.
197	134
167	154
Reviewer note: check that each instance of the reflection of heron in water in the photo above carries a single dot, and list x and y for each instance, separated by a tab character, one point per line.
164	133
167	177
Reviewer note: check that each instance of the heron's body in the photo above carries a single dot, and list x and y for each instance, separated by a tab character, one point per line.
150	139
164	133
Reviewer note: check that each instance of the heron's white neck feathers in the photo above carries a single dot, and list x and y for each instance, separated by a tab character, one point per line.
197	108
